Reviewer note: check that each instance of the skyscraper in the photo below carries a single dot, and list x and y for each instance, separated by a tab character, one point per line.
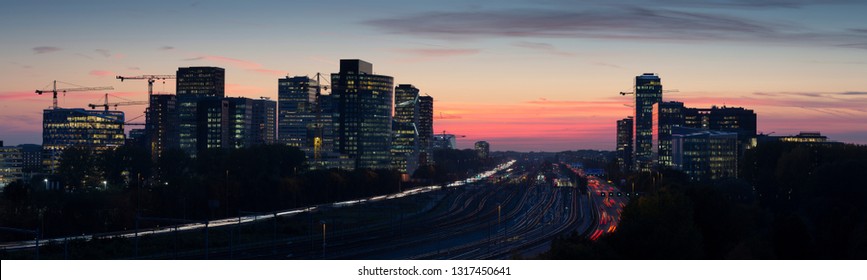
161	122
362	114
264	122
240	120
212	124
192	85
648	91
425	129
297	103
405	144
666	115
624	143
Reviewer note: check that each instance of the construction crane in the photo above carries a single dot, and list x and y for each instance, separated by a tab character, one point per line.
664	91
150	78
456	136
115	104
54	90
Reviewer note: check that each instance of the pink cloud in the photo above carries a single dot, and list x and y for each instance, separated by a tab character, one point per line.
102	73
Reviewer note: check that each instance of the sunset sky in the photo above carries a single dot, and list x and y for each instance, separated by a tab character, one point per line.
523	75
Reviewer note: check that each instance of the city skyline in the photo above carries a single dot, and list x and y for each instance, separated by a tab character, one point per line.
554	68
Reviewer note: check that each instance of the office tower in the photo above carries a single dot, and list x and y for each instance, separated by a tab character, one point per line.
264	122
240	122
161	122
137	138
624	143
730	119
705	154
666	115
483	149
362	114
296	98
194	84
648	91
212	124
62	128
11	165
405	144
425	130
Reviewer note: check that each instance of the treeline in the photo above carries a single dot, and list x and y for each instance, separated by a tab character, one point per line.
106	191
452	164
792	202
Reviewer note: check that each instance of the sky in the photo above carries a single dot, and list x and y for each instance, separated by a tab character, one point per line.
534	75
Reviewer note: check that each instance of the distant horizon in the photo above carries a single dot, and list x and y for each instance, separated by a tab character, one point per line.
522	75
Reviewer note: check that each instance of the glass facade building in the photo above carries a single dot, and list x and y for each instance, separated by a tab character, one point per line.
624	143
264	122
362	116
192	85
162	124
297	110
648	91
405	141
705	154
666	115
425	129
62	128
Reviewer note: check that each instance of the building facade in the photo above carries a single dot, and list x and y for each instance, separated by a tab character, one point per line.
730	119
483	149
161	122
362	114
624	143
62	128
425	129
264	122
705	154
194	84
666	115
405	138
11	165
297	101
648	91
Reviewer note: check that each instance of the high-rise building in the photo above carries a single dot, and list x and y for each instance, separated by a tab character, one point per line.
297	110
648	91
264	122
212	124
666	115
192	85
240	120
705	154
405	140
730	119
161	122
425	130
362	114
483	149
624	143
62	128
11	165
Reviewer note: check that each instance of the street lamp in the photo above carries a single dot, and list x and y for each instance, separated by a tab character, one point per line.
46	183
104	184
